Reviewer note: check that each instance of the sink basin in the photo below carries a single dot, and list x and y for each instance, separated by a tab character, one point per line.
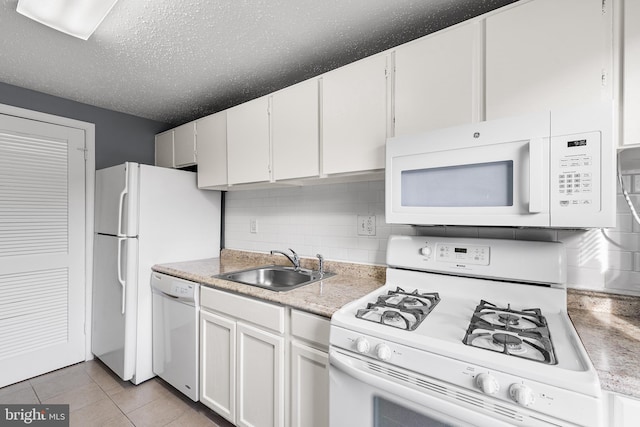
275	277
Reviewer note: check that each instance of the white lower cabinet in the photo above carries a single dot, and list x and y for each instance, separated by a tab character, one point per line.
261	367
309	386
309	396
624	411
260	377
218	364
241	364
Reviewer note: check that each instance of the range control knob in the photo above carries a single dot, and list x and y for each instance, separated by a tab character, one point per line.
383	352
487	383
426	251
521	394
362	345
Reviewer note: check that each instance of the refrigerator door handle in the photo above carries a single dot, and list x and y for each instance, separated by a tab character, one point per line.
123	283
124	192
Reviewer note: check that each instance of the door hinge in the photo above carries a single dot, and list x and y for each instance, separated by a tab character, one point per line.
85	152
604	6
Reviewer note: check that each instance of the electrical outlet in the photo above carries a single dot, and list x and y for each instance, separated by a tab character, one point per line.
253	225
366	225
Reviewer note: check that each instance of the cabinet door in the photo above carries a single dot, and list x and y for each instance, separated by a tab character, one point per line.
248	151
545	54
435	81
164	149
625	411
631	70
184	145
260	394
354	116
295	133
218	364
211	145
309	386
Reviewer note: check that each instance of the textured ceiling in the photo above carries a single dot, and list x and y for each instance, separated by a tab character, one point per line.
177	60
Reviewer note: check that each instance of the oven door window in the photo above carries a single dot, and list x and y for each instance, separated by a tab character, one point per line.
473	185
390	414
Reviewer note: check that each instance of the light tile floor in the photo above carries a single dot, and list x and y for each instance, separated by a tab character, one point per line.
97	397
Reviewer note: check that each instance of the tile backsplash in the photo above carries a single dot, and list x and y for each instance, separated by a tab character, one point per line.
324	219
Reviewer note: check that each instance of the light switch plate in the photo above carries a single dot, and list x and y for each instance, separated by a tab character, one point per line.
253	226
366	225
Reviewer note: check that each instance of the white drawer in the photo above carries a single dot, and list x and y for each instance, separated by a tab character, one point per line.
260	313
310	327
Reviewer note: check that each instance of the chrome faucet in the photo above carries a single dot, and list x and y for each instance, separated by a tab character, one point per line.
320	265
294	258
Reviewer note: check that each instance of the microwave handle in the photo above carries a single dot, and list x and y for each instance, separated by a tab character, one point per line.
536	181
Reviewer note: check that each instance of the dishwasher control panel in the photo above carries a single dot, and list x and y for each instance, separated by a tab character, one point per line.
181	289
174	287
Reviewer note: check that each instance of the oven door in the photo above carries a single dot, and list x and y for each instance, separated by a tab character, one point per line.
361	399
449	177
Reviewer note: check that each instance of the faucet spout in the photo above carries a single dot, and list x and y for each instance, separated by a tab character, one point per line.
320	265
294	258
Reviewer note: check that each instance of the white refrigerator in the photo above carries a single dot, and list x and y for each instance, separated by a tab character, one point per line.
145	215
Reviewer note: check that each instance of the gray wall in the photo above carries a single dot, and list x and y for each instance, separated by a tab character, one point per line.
119	137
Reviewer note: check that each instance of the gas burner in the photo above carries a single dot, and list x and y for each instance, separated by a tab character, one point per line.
394	318
400	309
510	341
407	319
508	319
522	333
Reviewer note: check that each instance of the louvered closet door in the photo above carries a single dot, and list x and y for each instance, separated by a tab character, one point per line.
42	259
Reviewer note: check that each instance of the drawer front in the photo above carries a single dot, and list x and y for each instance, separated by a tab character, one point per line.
260	313
310	327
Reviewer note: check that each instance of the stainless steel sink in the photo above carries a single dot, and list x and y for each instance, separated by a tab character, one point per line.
275	277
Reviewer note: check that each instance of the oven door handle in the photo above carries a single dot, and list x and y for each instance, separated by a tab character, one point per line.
536	181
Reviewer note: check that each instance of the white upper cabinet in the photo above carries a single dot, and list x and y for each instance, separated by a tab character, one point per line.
248	150
355	116
184	145
211	145
164	149
545	54
295	131
437	80
631	73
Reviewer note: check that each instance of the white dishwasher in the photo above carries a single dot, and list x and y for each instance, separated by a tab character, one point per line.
176	311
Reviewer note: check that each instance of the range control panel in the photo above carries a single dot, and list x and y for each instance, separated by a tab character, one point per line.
575	179
457	253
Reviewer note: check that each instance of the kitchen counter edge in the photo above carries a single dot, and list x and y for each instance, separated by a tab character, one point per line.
322	298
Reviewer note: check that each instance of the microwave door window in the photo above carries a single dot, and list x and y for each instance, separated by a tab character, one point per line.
474	185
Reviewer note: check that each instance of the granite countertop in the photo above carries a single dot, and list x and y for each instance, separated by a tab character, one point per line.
608	324
324	297
609	327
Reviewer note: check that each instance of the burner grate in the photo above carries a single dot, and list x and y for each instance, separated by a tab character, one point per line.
400	309
519	333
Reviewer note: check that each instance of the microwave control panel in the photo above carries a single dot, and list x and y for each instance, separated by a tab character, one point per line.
575	174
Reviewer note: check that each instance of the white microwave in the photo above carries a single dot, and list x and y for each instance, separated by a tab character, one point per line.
551	169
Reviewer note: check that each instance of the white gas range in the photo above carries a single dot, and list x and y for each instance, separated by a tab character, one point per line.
464	332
